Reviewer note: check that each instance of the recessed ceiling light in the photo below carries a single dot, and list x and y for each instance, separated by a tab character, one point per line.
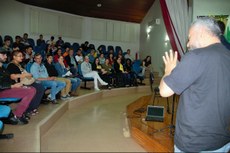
99	5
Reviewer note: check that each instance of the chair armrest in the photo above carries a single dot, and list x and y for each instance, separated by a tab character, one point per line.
7	101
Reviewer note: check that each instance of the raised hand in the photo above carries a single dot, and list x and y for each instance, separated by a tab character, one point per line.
170	61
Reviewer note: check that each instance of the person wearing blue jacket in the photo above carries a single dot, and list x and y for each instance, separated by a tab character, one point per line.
64	72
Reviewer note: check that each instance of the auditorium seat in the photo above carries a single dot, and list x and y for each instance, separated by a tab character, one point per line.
1	41
84	79
117	48
31	42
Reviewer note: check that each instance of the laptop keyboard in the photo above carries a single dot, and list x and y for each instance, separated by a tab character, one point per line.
153	118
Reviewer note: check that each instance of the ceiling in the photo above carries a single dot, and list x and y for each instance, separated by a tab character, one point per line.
122	10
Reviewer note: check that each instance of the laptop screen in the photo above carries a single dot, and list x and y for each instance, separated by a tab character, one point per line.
155	111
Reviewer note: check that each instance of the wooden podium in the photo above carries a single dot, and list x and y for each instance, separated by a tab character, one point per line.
146	133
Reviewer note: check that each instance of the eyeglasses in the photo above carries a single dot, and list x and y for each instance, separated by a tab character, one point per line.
19	55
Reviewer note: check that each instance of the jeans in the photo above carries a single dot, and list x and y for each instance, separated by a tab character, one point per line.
55	86
225	148
75	83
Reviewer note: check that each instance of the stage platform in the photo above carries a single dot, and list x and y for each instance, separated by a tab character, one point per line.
151	135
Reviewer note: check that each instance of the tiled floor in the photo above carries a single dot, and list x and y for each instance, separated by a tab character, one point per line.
96	125
93	127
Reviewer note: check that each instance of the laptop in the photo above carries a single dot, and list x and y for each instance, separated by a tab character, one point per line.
155	113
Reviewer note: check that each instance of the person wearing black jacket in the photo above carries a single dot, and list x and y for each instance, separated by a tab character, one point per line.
15	90
71	62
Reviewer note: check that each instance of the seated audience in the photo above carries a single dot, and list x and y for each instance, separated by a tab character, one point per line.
66	53
91	56
63	72
146	65
87	71
20	73
122	75
111	59
40	73
71	62
29	55
60	42
128	69
40	41
102	59
51	41
96	66
17	45
24	40
53	73
85	46
57	54
128	55
15	90
7	45
79	56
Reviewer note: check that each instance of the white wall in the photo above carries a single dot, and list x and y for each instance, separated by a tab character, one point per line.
15	20
155	44
213	7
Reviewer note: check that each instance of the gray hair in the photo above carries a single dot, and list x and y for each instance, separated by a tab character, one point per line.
210	25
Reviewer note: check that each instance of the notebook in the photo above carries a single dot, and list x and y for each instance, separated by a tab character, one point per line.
155	113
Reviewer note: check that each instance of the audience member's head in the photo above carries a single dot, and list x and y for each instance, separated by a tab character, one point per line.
17	39
25	36
49	58
86	59
3	56
221	26
71	52
38	58
41	36
52	38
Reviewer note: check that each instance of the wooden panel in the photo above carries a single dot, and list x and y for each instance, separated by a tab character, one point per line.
149	144
152	136
122	10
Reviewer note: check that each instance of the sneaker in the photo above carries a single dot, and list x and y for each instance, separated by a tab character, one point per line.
22	120
104	83
96	89
64	97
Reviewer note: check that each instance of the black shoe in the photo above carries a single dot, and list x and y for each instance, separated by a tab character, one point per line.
22	120
45	101
11	120
26	116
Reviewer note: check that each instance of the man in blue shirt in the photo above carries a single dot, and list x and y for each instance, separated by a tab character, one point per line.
40	74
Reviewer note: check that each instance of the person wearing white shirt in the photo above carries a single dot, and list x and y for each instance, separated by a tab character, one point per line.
87	71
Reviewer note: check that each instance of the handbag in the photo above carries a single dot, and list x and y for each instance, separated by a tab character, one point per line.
27	81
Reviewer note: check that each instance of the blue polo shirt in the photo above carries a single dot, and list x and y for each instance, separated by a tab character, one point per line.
39	71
